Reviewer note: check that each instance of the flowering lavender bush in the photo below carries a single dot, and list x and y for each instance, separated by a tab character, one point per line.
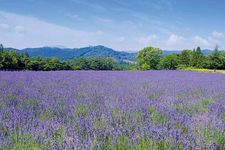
112	110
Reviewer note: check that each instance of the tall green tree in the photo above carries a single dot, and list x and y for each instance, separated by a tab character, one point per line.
197	58
169	62
80	64
1	51
149	58
24	60
36	64
10	60
1	48
185	58
52	64
216	59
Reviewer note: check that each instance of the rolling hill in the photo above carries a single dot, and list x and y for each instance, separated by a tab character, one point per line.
67	53
91	51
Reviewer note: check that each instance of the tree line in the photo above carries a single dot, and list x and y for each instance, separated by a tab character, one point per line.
152	58
149	58
12	60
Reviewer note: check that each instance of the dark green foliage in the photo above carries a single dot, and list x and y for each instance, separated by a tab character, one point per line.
149	58
185	58
87	52
1	58
169	62
55	64
197	58
10	60
17	60
45	64
126	66
94	64
216	60
13	60
25	58
35	64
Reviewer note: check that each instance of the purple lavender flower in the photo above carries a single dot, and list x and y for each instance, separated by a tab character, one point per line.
112	110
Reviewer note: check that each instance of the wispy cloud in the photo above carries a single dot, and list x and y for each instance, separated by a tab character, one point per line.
175	40
211	41
4	26
104	20
23	31
217	35
92	5
74	16
201	41
147	40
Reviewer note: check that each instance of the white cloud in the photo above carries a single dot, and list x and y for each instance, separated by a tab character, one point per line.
121	39
217	35
200	41
147	39
210	41
4	26
22	31
19	30
27	31
99	32
175	40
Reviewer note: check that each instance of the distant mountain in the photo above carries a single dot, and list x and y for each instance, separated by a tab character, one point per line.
207	52
168	52
67	53
91	51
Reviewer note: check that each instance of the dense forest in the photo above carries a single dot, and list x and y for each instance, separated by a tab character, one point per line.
149	58
152	58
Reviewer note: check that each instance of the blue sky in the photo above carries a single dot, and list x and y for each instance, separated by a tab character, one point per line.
126	25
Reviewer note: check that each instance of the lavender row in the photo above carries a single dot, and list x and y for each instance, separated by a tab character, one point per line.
112	110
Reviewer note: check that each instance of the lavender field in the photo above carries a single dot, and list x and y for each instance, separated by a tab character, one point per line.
112	110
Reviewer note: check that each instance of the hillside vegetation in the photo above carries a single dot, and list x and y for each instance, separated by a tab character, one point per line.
102	58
